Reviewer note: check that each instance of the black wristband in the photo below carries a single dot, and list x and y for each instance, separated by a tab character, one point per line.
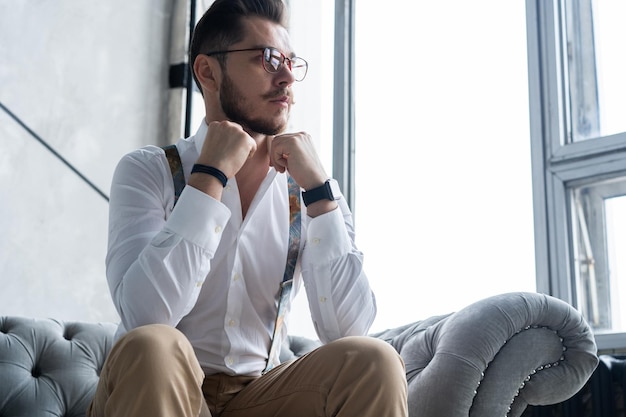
205	169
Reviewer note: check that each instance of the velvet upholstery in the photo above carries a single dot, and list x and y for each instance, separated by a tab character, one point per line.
492	358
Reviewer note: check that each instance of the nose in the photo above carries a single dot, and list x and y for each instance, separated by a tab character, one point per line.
284	76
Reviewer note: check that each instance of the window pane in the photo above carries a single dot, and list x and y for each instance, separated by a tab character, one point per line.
616	237
443	183
599	213
597	64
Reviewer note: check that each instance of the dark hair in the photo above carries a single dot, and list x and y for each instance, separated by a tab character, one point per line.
221	25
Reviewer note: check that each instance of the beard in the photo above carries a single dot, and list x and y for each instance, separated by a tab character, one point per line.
232	102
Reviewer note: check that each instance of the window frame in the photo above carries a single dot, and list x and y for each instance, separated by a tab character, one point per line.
557	164
343	102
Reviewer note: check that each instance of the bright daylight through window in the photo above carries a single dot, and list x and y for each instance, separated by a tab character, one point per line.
443	181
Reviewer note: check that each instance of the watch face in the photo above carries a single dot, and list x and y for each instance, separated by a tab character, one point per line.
334	189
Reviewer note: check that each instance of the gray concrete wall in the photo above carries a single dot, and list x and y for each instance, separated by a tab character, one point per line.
91	78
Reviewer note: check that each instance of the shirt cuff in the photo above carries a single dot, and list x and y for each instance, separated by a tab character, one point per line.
199	218
325	240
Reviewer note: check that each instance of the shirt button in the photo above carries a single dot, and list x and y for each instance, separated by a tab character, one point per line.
236	277
316	240
229	360
218	229
322	299
232	323
199	283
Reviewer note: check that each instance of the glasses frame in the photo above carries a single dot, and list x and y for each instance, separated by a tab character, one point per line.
268	53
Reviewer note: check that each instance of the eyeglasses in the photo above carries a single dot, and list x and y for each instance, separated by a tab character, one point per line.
273	61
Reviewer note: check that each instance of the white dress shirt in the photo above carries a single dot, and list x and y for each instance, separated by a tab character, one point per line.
214	275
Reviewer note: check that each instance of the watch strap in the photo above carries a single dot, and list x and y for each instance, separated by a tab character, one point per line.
323	192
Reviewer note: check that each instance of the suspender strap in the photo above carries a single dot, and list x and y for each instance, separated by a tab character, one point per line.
295	220
176	167
293	250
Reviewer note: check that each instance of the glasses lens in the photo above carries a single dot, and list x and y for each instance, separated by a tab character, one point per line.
299	68
272	59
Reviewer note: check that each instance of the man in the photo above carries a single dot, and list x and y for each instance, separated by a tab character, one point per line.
197	283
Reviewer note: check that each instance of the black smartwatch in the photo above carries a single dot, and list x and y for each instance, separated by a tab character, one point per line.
327	191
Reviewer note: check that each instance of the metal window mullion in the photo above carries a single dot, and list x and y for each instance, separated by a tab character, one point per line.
560	240
343	110
547	129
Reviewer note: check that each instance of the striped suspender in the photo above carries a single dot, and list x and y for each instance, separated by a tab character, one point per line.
295	221
176	167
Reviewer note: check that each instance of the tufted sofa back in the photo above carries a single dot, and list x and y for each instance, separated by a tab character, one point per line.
49	368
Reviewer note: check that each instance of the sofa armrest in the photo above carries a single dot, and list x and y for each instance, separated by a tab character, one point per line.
495	357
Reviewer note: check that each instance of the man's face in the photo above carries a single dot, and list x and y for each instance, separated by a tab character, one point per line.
249	95
237	109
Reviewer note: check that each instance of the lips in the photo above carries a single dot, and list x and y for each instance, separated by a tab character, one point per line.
281	95
282	99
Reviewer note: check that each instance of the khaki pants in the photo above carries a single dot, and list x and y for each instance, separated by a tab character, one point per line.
152	371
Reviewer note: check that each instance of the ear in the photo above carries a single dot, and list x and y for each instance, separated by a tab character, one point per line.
208	72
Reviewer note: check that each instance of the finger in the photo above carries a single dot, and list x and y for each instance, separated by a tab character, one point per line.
275	153
280	164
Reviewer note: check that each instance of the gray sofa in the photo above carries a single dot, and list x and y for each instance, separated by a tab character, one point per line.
492	358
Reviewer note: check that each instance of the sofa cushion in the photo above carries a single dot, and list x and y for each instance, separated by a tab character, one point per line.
49	368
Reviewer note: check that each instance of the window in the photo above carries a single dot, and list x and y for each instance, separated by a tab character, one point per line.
443	174
598	240
594	34
577	101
